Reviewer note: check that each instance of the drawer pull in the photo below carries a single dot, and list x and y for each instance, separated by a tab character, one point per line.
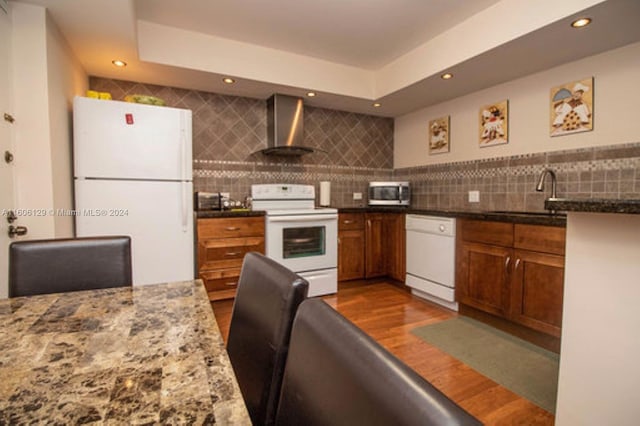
232	253
232	228
231	284
346	222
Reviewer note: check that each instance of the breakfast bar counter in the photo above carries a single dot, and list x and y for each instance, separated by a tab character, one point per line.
147	354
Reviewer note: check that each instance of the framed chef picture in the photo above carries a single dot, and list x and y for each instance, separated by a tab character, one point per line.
571	107
439	135
494	124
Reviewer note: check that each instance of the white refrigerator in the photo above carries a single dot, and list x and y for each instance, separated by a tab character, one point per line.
133	176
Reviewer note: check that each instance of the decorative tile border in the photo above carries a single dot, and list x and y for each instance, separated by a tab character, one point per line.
508	183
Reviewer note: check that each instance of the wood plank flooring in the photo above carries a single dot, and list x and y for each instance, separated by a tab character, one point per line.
387	313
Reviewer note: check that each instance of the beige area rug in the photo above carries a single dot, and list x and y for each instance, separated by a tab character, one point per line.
523	368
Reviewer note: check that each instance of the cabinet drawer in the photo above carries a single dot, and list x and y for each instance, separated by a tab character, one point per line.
480	231
225	279
349	221
546	239
230	227
227	252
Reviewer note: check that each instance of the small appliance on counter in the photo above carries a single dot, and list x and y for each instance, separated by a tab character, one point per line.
389	194
207	201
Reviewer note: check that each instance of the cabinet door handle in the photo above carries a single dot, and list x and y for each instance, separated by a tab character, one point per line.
369	223
232	253
517	263
506	263
232	228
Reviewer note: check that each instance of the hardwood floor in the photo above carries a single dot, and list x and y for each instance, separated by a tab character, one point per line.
387	313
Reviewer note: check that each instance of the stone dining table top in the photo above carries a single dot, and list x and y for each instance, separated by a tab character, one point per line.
143	355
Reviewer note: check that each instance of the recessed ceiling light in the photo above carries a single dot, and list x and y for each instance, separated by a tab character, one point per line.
582	22
119	63
377	104
228	80
446	76
311	94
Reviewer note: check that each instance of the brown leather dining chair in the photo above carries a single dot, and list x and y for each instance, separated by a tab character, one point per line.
69	264
266	302
338	375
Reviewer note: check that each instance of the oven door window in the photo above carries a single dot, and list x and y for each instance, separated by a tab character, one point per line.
303	242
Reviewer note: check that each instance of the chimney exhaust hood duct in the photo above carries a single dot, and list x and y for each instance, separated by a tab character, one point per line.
284	126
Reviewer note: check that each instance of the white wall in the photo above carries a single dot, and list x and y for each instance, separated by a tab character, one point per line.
66	78
6	135
45	77
33	166
599	370
616	94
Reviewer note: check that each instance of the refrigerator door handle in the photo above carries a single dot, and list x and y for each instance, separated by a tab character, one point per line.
185	206
183	147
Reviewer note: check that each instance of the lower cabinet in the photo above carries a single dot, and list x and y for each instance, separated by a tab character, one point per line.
512	271
374	245
222	244
351	243
371	245
483	268
394	237
537	288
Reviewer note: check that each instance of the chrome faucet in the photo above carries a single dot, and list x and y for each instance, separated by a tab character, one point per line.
540	185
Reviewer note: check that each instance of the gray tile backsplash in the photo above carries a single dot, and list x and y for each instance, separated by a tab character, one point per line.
228	130
508	183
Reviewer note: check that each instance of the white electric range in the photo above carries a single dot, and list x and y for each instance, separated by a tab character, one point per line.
298	235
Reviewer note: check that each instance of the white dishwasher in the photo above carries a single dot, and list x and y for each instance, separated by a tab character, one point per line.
431	247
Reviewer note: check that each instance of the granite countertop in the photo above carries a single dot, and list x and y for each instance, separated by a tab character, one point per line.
147	354
594	205
207	214
532	218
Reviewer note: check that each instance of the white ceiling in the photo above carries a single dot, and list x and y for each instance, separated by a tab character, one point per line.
363	33
370	37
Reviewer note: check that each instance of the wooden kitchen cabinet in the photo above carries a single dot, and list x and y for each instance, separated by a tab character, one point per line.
537	285
537	290
394	237
485	281
371	245
512	271
222	244
351	244
375	265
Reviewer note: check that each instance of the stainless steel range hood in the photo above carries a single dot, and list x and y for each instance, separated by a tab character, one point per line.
285	115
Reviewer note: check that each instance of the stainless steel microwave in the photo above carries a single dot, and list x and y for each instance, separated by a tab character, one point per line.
389	194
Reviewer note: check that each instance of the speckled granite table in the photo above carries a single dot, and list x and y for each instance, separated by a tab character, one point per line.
142	355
